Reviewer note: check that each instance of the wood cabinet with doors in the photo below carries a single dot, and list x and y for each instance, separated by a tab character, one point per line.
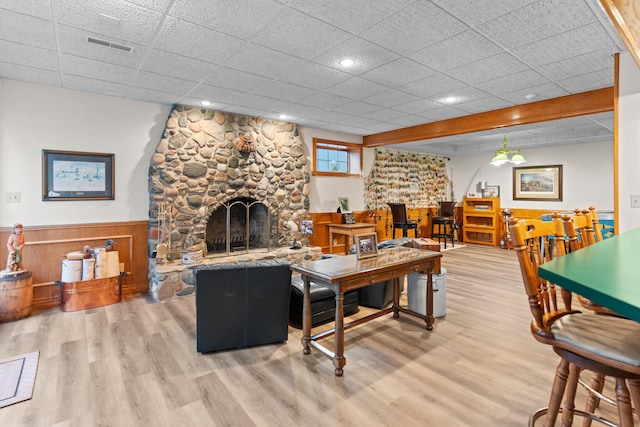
481	220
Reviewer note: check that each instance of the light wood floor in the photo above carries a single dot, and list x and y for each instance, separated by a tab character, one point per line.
135	364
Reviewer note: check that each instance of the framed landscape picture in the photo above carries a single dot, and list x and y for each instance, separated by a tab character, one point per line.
538	183
366	245
73	175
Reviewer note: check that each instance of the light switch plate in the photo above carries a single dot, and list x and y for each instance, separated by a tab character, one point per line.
12	197
635	200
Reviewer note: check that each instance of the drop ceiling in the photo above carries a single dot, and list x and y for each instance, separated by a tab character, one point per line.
272	57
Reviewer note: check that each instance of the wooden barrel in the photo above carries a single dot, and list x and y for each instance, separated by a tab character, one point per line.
16	294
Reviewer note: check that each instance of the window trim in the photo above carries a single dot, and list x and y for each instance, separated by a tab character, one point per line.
349	147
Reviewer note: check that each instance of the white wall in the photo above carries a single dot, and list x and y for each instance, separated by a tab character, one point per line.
628	142
325	190
34	117
587	175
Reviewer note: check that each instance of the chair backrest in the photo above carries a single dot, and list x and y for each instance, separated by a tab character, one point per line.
398	212
446	208
597	228
535	243
579	225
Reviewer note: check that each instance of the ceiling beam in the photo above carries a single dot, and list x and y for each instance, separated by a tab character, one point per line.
580	104
626	17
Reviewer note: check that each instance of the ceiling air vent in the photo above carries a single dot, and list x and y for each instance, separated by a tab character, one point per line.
112	45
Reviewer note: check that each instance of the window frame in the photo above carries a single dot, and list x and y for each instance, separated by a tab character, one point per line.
354	155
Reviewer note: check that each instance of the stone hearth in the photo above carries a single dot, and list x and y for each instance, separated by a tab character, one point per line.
175	279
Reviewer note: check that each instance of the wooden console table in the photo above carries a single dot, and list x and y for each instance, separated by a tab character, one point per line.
346	273
349	230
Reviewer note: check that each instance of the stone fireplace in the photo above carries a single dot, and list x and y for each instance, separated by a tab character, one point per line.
223	184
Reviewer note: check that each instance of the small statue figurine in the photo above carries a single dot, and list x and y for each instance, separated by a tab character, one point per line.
14	246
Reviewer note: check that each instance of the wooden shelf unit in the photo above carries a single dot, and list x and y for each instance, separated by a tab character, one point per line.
481	220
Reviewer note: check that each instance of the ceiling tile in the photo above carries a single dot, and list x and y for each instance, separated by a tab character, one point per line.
488	69
29	74
31	56
538	20
262	61
577	65
406	32
153	95
433	85
365	54
27	30
314	76
285	91
545	91
513	82
352	15
109	18
398	73
356	88
196	42
299	35
170	64
238	18
325	100
35	8
469	46
148	80
585	82
237	80
390	97
356	108
475	12
572	43
77	66
92	85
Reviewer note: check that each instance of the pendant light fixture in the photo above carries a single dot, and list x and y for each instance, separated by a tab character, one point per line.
502	157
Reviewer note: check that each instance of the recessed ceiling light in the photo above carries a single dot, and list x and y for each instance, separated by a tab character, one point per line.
449	99
283	116
205	103
347	62
531	95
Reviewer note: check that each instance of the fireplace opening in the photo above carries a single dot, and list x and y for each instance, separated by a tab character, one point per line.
241	224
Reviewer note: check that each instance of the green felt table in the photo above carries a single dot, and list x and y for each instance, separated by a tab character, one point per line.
608	273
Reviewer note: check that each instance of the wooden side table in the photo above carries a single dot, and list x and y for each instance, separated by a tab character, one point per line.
349	230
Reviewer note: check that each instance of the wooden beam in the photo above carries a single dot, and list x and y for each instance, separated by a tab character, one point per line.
626	17
580	104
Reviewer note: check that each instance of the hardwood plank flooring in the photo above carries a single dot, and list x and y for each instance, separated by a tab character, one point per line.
135	364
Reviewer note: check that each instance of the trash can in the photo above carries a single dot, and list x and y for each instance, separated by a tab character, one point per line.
417	292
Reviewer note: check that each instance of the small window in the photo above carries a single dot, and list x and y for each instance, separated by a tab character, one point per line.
335	158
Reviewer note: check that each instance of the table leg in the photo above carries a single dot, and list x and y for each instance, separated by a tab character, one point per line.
338	360
429	300
306	316
330	242
396	297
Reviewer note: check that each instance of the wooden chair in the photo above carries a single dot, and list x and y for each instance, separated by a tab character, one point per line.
400	220
605	345
445	222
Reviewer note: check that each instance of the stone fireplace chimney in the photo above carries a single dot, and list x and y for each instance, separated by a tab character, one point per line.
207	158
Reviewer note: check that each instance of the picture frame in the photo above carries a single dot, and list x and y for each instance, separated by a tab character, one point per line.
492	191
344	204
306	227
538	183
76	175
366	245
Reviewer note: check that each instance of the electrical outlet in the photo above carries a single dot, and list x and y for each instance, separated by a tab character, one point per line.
635	200
12	197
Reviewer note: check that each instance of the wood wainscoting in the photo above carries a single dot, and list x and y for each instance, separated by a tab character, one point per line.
47	245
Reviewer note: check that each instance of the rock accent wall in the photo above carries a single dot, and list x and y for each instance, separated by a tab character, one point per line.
208	157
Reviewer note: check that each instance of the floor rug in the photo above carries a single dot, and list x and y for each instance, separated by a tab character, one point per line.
449	247
17	378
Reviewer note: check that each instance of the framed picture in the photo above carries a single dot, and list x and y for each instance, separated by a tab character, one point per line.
538	183
73	175
344	204
306	227
366	245
492	191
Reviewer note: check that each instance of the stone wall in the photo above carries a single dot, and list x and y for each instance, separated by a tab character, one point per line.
208	157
